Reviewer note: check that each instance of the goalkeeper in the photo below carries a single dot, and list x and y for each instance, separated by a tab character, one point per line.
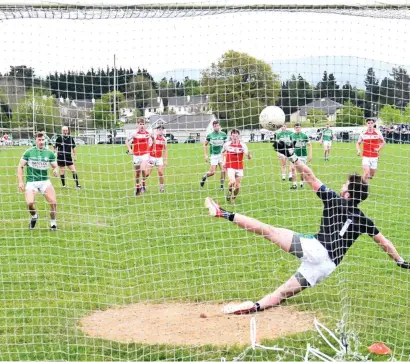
342	223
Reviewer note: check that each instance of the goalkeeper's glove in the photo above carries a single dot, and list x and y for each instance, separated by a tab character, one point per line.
285	149
403	264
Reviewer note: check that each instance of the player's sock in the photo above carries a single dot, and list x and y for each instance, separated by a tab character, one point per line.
62	177
302	184
33	221
53	222
75	177
161	188
137	189
203	180
283	176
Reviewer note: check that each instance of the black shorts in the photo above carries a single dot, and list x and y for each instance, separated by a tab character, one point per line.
64	163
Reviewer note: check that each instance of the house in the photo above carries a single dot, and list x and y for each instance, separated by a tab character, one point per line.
181	126
154	106
326	105
75	113
189	105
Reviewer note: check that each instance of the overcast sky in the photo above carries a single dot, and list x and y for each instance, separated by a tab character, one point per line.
194	43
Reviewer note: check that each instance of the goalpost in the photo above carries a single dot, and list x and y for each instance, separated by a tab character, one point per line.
145	277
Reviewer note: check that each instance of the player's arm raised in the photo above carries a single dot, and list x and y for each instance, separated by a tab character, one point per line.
391	251
308	174
20	169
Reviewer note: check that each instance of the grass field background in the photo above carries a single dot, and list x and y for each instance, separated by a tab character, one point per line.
115	249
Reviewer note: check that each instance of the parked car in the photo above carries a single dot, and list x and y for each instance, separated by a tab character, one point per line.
171	138
79	141
191	140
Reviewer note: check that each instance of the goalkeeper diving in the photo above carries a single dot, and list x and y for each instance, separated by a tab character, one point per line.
341	224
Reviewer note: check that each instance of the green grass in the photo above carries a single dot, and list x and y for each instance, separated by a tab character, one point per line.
115	249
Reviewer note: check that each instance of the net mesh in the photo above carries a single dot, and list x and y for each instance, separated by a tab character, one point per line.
145	277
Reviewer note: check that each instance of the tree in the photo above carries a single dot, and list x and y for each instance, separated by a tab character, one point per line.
372	92
401	87
328	88
294	94
387	92
390	114
316	115
239	87
104	110
350	115
141	90
5	111
45	115
192	87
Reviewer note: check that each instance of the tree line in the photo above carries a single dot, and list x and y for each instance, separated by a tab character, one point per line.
239	86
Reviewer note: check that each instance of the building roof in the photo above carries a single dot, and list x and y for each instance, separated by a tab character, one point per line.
187	101
182	122
325	104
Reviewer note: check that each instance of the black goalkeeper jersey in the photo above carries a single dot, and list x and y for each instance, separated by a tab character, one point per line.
342	223
64	146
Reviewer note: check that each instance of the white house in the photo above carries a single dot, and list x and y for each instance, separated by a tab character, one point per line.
154	106
189	105
326	105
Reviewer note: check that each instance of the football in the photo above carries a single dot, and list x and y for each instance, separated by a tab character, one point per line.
271	118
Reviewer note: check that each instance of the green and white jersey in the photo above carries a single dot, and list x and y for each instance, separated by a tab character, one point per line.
327	134
284	136
38	162
301	142
216	141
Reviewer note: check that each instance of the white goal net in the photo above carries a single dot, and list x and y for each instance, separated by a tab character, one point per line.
136	268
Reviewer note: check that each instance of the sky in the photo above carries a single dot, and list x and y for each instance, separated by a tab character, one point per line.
183	46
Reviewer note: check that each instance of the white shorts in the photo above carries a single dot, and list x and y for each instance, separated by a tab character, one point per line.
316	263
281	156
327	144
233	173
137	160
303	159
38	186
216	160
156	161
370	162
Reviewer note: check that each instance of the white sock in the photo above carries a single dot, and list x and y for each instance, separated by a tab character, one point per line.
35	216
53	222
290	175
294	183
283	175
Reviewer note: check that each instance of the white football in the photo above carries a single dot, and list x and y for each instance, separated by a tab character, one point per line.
272	117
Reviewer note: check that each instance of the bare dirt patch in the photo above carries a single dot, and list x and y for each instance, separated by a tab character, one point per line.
190	324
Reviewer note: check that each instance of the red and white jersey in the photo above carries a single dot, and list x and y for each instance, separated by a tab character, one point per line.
371	143
141	142
158	149
234	154
5	137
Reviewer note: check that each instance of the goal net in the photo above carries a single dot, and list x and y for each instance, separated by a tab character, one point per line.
134	275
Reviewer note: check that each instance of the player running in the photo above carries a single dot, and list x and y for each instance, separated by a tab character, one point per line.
37	159
326	141
233	151
65	146
373	142
139	144
215	140
342	223
158	157
285	136
301	142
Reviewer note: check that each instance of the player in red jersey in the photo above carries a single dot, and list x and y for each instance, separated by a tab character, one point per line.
373	142
139	144
233	151
158	157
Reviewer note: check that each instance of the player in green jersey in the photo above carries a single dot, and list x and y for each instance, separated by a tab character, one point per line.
38	159
326	141
215	140
301	143
285	136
